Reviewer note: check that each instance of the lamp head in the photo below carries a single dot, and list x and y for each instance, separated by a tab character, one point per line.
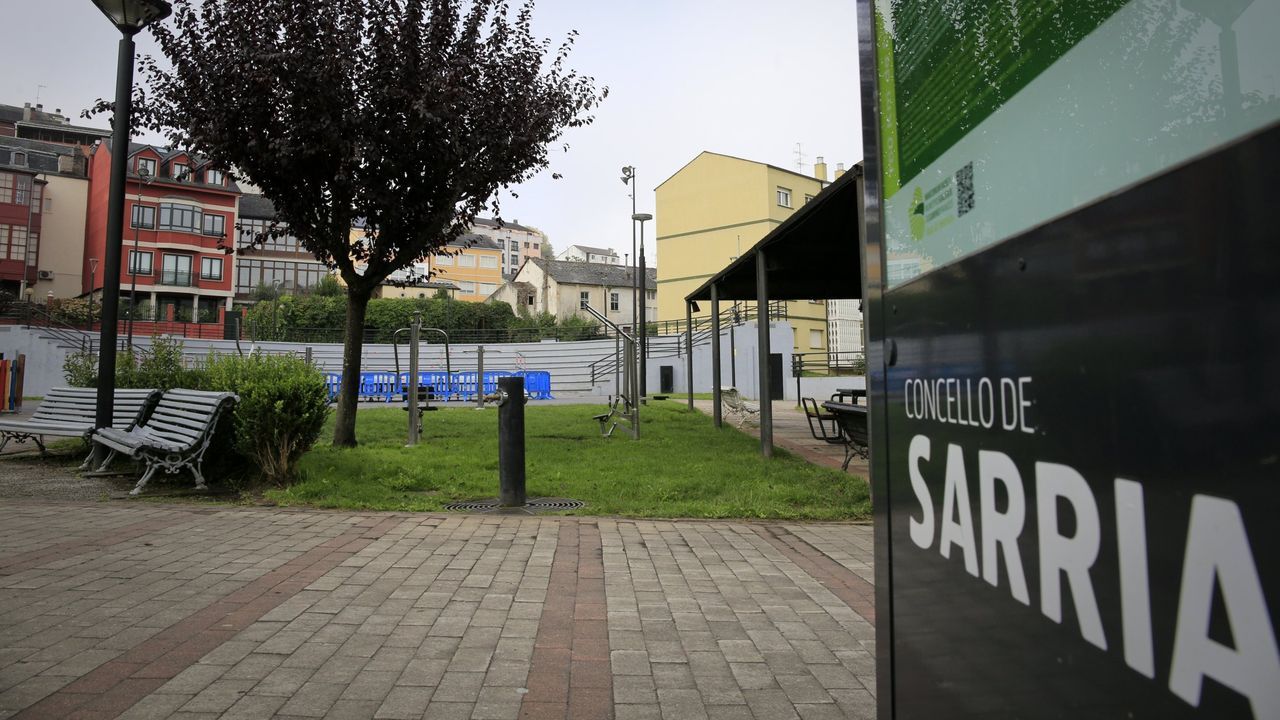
131	16
642	217
628	172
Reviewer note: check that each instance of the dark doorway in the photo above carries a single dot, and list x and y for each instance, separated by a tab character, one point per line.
667	379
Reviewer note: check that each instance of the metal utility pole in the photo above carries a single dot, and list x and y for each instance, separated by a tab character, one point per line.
642	218
415	335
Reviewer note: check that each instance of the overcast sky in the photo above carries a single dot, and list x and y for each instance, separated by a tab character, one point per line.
750	78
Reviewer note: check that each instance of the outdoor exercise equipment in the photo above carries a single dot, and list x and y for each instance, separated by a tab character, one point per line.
624	405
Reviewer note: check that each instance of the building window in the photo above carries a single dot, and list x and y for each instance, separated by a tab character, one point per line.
815	338
186	218
466	287
6	187
139	262
535	246
444	260
215	177
465	260
488	261
13	242
146	166
808	199
613	301
144	217
488	289
176	270
37	198
215	225
22	194
180	171
584	299
33	248
19	158
210	268
515	261
784	197
652	294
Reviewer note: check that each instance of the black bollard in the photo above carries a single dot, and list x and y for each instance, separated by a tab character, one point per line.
511	442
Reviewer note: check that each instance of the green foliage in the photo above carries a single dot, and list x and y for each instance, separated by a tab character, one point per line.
328	286
73	311
283	405
320	317
6	300
81	369
266	292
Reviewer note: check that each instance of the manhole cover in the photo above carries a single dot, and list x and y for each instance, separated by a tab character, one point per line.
532	506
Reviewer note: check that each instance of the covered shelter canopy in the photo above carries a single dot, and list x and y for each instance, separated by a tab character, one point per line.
812	255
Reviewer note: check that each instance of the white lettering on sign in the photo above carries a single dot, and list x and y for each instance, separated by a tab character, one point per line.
1000	530
1218	560
1218	555
964	401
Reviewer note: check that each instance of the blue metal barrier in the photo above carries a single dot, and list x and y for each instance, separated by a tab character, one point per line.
387	386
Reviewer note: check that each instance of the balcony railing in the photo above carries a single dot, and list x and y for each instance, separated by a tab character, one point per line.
179	278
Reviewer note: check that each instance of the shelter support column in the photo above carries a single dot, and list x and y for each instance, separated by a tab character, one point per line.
688	349
762	322
715	357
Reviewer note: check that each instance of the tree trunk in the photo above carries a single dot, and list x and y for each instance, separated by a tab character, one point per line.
344	426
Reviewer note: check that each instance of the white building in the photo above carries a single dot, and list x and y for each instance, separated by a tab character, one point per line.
844	330
564	287
584	253
517	241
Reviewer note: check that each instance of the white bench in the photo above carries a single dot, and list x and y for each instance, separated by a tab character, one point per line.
733	404
72	412
175	435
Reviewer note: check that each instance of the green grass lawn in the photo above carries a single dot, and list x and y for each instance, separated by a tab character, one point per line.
681	467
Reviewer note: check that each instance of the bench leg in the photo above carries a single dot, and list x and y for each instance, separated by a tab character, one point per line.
88	460
195	470
110	456
146	477
4	440
40	442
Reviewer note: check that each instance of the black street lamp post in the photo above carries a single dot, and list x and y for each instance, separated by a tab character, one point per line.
129	17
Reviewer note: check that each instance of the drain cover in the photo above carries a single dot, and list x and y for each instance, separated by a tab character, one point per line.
532	506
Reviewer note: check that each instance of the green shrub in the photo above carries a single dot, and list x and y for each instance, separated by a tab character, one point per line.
74	311
81	369
161	367
283	405
328	286
6	300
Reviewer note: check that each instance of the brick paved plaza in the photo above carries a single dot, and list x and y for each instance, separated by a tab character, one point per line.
136	610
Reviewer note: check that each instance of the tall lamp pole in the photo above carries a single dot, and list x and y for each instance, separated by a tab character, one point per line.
133	264
629	179
129	17
642	218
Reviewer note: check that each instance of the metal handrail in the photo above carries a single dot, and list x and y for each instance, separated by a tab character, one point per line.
57	328
607	364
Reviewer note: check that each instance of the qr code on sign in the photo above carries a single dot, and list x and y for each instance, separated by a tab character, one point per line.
964	189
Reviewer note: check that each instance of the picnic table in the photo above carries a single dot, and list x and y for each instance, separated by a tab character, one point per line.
849	395
852	421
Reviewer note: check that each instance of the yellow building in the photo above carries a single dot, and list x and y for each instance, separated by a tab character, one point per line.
470	270
713	209
474	264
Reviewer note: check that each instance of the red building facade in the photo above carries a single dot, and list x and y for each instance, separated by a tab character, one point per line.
180	217
20	220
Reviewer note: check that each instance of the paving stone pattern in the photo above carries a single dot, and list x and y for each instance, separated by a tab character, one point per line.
130	610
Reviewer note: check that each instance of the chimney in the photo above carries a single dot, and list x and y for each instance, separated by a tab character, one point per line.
839	170
26	112
820	169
